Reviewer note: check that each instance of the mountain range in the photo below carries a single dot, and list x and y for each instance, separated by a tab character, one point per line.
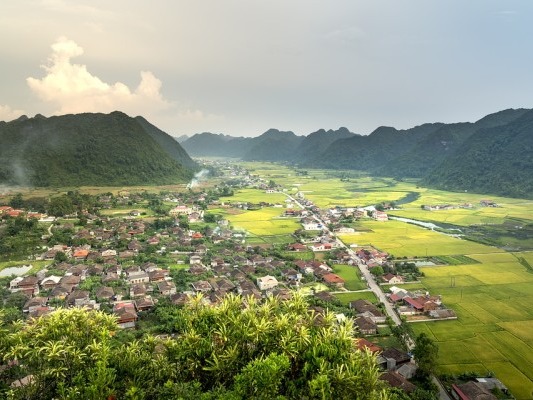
492	155
90	150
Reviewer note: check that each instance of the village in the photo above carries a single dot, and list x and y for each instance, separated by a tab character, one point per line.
127	266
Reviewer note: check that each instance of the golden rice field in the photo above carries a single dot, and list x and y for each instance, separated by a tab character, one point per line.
401	239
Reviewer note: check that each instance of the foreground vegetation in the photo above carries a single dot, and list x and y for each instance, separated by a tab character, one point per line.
235	350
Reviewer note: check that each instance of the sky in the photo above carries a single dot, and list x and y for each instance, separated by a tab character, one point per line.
240	67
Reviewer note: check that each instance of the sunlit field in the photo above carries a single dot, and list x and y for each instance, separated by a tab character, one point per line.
493	332
401	239
492	298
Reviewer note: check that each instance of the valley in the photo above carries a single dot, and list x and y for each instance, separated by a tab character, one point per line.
488	287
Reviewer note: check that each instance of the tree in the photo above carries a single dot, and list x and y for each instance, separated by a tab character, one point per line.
65	352
60	257
17	201
425	352
61	206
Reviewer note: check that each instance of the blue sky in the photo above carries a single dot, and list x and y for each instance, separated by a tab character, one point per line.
240	67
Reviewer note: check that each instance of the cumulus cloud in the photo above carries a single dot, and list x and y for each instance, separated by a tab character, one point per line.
73	89
7	113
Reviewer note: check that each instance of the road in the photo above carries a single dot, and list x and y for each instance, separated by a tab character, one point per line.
376	289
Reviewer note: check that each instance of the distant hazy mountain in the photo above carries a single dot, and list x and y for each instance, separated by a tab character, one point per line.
273	145
313	145
216	145
90	149
181	139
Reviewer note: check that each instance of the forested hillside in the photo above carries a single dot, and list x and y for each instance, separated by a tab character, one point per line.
491	155
493	160
89	149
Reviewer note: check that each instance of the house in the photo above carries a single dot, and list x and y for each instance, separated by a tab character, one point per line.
392	279
195	259
363	344
144	303
14	284
366	326
137	276
109	253
407	370
311	225
179	299
325	296
364	308
166	288
393	358
297	247
80	254
321	246
50	282
137	290
158	275
61	291
292	276
126	314
380	216
267	282
180	210
333	279
396	380
201	286
73	280
78	298
344	229
105	293
29	285
472	391
33	303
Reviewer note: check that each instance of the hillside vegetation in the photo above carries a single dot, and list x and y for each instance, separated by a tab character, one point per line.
491	155
89	149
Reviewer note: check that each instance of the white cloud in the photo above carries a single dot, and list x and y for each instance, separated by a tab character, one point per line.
73	89
9	114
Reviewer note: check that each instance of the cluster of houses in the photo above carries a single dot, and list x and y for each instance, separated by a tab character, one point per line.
437	207
14	213
415	304
137	283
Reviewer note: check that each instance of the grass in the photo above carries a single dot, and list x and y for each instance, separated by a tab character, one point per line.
351	276
346	298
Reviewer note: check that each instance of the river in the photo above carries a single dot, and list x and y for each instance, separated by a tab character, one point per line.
428	225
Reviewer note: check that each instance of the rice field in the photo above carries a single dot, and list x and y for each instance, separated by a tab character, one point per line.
401	239
494	330
490	291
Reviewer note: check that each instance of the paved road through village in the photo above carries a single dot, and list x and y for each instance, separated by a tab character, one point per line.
376	289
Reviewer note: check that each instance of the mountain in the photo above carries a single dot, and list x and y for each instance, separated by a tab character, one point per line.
372	151
208	144
90	149
273	145
428	153
181	138
496	160
314	144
